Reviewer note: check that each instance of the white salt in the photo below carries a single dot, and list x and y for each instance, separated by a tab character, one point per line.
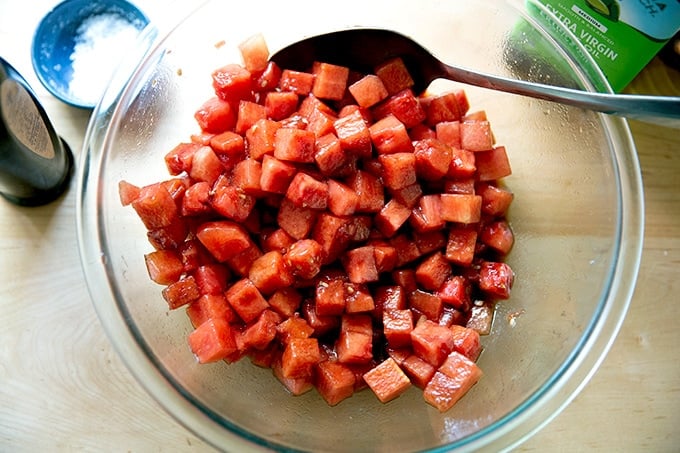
100	44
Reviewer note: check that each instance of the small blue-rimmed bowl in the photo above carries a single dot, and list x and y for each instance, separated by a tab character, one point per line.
55	41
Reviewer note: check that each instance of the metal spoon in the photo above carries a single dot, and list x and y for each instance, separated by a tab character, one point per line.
364	48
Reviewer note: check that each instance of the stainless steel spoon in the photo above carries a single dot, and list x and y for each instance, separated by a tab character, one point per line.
364	48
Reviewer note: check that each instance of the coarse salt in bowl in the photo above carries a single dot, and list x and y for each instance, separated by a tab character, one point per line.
78	45
577	215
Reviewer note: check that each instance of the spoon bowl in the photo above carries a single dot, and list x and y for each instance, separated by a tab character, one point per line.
365	48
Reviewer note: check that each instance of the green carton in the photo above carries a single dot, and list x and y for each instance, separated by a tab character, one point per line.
622	36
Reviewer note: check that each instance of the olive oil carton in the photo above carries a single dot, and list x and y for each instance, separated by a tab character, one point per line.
622	36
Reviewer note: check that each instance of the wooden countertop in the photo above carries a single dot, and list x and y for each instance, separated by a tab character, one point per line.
63	388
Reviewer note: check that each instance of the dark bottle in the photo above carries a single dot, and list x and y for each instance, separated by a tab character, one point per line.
35	164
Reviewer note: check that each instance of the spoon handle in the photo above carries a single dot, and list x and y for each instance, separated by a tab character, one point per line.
663	110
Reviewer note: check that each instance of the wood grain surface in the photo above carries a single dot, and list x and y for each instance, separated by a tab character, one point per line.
63	388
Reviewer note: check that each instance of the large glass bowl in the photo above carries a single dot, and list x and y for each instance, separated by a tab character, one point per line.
577	216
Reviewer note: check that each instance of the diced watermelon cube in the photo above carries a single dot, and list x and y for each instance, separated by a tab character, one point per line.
426	303
355	341
463	164
155	206
295	220
419	371
276	174
460	246
391	217
229	144
449	133
455	291
330	81
466	341
443	107
406	279
433	159
495	200
496	279
127	192
407	250
295	145
246	175
498	235
451	381
476	136
433	271
304	258
246	300
429	241
181	292
210	306
307	192
422	131
427	215
342	201
223	239
432	342
299	357
260	334
369	189
410	194
405	106
330	296
358	299
353	133
388	298
321	122
215	116
397	327
334	381
248	114
296	81
270	272
368	91
268	79
461	208
255	53
212	341
493	164
389	136
164	266
232	83
296	386
277	240
359	263
387	380
394	75
385	257
332	159
261	138
398	170
286	301
231	201
242	262
293	327
212	278
179	158
280	104
205	165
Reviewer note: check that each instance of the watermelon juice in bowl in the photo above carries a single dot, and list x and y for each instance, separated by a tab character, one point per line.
575	220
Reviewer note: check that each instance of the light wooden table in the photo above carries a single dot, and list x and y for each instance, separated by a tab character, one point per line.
63	388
